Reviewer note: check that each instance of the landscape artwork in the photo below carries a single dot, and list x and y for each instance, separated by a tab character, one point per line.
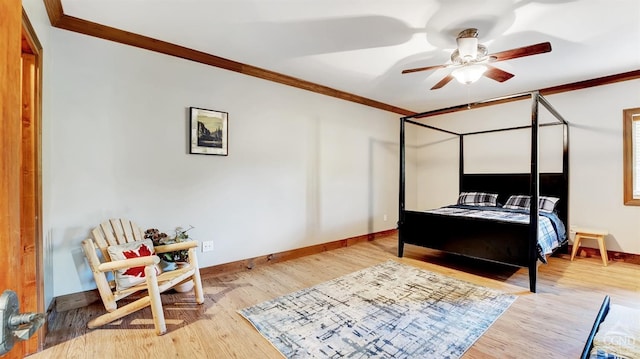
209	132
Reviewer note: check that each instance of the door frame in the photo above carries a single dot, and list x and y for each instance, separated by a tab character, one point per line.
10	154
31	240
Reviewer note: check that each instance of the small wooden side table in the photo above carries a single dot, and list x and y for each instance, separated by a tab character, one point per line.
588	233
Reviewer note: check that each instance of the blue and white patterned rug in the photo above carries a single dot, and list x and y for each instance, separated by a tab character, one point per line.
390	310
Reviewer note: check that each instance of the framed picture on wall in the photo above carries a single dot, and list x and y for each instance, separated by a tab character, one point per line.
209	132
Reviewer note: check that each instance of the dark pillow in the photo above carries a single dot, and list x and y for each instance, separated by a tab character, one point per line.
545	203
478	199
517	202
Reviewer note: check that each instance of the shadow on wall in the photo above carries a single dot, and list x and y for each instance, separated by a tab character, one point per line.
597	129
313	219
68	258
375	182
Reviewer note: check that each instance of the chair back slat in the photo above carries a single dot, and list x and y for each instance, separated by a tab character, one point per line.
137	233
105	231
100	241
99	237
125	231
118	230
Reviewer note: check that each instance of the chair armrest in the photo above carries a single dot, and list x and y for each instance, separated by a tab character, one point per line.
128	263
175	246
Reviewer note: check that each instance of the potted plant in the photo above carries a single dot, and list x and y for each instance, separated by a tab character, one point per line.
172	260
160	238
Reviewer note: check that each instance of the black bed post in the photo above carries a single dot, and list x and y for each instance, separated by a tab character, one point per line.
401	189
565	173
461	163
534	193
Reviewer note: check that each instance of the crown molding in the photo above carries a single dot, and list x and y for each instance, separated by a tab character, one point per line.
60	20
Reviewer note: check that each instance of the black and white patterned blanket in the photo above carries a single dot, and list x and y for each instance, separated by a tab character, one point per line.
552	232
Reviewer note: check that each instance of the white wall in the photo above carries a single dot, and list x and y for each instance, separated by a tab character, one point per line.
302	168
595	141
506	152
596	183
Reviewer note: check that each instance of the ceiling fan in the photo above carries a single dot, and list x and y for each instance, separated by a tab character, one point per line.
470	60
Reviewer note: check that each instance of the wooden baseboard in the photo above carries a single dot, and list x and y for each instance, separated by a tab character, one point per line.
250	263
76	300
82	299
612	255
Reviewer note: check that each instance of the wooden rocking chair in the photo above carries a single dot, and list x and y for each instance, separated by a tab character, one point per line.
116	233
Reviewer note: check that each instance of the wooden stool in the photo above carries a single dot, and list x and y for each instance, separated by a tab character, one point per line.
590	234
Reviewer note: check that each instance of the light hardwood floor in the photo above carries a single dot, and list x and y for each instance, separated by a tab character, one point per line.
552	323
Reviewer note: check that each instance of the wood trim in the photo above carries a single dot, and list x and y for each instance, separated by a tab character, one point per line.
60	20
28	259
30	42
573	289
587	252
54	11
627	151
32	298
74	301
599	81
32	275
250	263
82	299
580	85
10	141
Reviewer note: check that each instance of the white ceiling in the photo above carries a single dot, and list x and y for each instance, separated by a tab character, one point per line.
361	46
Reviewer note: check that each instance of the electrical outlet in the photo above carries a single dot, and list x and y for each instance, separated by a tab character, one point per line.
384	217
207	246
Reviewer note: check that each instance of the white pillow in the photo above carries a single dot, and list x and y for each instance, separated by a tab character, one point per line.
130	277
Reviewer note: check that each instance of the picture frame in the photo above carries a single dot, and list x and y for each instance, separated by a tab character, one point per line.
209	132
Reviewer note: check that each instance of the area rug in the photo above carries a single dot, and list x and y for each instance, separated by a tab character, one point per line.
390	310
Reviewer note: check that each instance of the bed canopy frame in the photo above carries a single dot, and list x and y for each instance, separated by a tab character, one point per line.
414	227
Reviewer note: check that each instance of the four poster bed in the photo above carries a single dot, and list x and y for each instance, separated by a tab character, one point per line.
516	240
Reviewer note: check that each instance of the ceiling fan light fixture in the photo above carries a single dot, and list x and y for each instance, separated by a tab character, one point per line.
469	74
468	48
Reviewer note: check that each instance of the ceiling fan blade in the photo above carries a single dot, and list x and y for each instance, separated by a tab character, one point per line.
442	82
540	48
495	73
423	69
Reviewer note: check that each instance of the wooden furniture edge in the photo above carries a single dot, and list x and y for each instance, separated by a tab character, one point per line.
82	299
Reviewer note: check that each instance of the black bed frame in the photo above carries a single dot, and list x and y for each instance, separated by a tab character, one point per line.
507	243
